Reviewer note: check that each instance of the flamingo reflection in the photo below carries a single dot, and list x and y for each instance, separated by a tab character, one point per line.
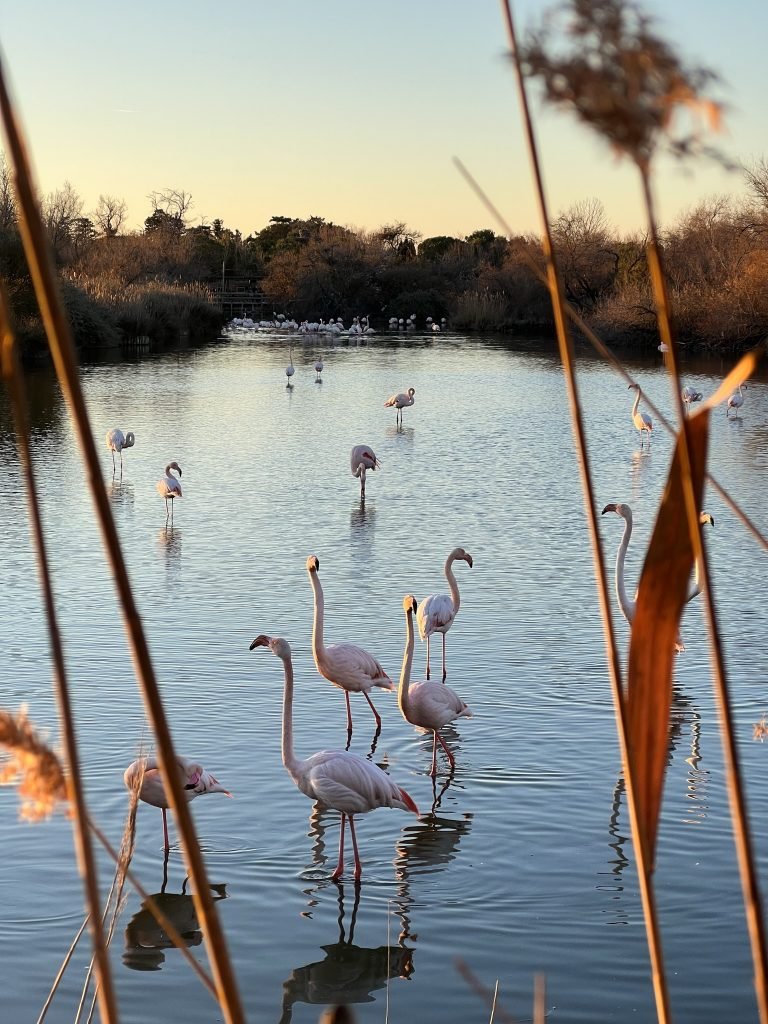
347	973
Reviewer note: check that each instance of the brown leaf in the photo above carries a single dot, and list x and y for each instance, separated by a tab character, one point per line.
660	600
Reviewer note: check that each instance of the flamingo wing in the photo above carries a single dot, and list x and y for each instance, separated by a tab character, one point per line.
435	614
435	704
350	783
356	669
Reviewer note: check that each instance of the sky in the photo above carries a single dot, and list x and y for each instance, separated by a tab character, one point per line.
341	109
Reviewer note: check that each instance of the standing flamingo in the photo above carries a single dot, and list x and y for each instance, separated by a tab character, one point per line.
627	604
318	370
427	705
735	401
345	665
363	457
400	401
145	773
290	368
689	396
116	441
437	612
641	420
169	487
339	779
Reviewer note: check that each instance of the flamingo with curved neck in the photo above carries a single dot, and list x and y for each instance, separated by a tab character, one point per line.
641	420
427	705
169	487
339	779
116	442
363	458
345	665
437	612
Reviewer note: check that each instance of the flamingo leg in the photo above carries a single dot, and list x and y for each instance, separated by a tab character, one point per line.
433	771
358	865
427	655
444	672
113	462
451	758
340	866
349	712
376	714
165	831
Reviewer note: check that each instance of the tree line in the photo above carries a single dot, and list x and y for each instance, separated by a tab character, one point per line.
158	281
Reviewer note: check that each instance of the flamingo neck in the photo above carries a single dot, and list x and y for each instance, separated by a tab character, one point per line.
453	585
318	646
634	413
291	762
627	606
405	673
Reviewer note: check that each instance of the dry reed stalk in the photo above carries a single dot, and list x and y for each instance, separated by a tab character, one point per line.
84	852
539	999
565	343
486	994
60	972
599	345
64	358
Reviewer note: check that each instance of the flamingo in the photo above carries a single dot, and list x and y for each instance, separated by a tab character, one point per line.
116	441
627	604
318	370
169	487
427	705
290	368
145	773
363	457
437	612
642	420
735	401
689	396
345	665
339	779
400	401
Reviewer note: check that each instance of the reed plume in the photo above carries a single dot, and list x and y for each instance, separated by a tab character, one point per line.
31	765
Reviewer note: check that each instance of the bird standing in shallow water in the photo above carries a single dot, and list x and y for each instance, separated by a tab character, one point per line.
116	441
400	401
689	396
169	487
339	779
363	458
145	773
318	370
641	420
290	369
735	401
427	705
437	612
345	665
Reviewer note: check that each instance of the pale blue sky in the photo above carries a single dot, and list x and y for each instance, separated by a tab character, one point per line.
340	108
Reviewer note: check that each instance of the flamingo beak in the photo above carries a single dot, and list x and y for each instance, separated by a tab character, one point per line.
260	641
470	563
608	508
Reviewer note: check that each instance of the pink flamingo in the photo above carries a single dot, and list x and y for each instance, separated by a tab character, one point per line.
169	486
400	401
363	457
339	779
427	705
437	612
116	441
345	665
145	773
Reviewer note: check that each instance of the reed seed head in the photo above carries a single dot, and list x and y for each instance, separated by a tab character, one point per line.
32	766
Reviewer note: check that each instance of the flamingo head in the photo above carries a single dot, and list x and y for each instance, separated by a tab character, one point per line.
705	517
621	510
411	392
173	465
464	556
368	454
130	440
313	563
631	387
409	604
276	644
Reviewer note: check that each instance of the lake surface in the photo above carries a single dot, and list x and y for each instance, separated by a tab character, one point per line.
519	863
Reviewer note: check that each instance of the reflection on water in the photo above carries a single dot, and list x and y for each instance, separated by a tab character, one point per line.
406	433
120	494
619	914
361	521
169	545
347	973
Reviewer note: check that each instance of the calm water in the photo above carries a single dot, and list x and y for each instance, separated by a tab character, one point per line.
522	863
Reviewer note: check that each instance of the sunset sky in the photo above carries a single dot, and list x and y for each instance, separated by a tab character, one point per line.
346	110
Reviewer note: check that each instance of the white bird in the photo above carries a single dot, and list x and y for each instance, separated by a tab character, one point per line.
339	779
427	705
641	420
145	773
627	604
290	369
363	458
689	396
400	401
116	441
318	369
735	401
349	667
437	612
169	487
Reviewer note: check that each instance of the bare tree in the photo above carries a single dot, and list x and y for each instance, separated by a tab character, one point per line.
173	202
588	258
756	177
60	210
109	215
7	196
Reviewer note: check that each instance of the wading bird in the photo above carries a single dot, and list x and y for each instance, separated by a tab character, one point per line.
339	779
641	420
318	370
116	441
427	705
169	487
437	612
400	401
363	458
290	368
689	396
349	667
627	604
735	401
145	773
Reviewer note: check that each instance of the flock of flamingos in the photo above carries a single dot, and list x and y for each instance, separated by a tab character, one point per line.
339	779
